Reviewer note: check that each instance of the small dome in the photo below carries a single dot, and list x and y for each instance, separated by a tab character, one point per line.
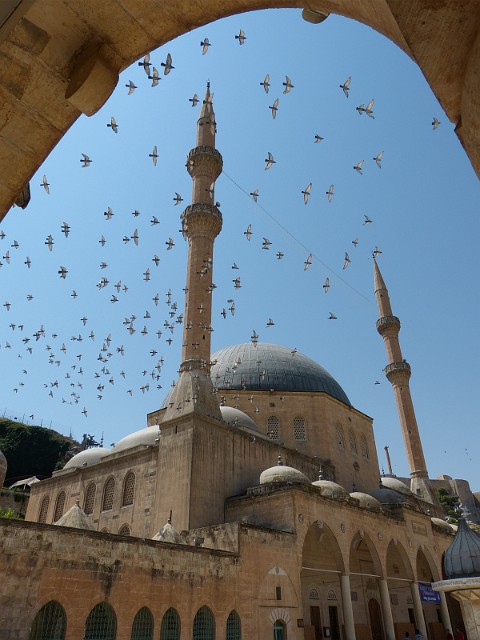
147	437
330	489
237	418
388	496
462	558
441	524
87	458
77	518
3	469
366	501
396	485
168	533
263	367
281	474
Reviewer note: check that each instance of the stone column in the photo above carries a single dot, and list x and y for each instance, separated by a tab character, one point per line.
445	614
418	609
347	608
386	610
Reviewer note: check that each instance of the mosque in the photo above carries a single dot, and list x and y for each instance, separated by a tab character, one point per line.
251	506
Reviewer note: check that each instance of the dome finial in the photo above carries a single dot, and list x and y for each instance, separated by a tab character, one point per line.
320	473
279	460
170	517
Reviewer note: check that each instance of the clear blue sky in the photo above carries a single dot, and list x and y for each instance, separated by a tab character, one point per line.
423	203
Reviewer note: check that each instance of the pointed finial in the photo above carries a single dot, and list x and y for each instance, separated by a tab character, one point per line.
170	517
354	487
279	460
320	473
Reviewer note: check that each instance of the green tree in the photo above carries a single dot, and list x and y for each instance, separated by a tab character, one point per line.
450	504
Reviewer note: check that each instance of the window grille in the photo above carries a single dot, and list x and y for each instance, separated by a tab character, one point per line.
101	623
273	430
234	628
340	438
42	515
299	429
59	506
50	623
90	498
170	625
331	595
313	595
204	625
364	447
353	442
128	488
142	628
279	630
108	494
124	530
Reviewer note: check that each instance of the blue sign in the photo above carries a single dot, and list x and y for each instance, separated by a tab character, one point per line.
427	594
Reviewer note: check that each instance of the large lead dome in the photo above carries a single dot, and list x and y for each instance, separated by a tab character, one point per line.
268	366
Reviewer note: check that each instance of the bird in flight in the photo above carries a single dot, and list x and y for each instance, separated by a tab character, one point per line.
145	64
170	243
355	242
194	100
377	251
167	65
266	83
108	213
288	85
178	198
358	167
280	255
367	220
135	237
332	316
45	184
347	260
274	108
154	155
435	123
48	242
154	221
266	243
270	161
306	193
318	138
85	160
254	337
102	240
62	272
131	86
308	262
154	77
368	109
378	159
65	229
270	323
113	125
241	37
346	86
326	285
255	193
248	232
205	44
330	192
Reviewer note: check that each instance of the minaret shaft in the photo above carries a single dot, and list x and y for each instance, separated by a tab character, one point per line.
398	373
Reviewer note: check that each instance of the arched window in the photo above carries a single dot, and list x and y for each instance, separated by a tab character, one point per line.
101	623
364	446
50	623
142	628
204	625
59	506
234	628
42	514
108	494
279	630
89	502
340	437
313	595
353	443
128	489
299	433
273	428
170	625
124	530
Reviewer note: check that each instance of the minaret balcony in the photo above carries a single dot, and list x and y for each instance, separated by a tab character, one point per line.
386	323
398	370
204	158
201	215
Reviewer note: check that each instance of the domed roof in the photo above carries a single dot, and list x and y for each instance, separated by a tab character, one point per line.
441	524
330	489
396	485
87	458
237	418
281	474
268	366
462	558
388	496
366	501
146	436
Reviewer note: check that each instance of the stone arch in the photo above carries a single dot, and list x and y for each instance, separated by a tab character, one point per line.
277	586
50	622
399	576
108	494
89	501
76	78
59	506
124	530
170	629
363	549
204	624
233	626
43	511
142	627
101	623
365	570
425	566
128	489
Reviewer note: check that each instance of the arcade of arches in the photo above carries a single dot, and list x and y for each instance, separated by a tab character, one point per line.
61	59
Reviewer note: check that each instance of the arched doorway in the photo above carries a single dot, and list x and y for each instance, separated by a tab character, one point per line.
375	618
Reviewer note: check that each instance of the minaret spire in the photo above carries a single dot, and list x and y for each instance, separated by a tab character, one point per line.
398	373
201	223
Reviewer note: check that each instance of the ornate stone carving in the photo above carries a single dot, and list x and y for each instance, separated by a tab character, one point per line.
387	322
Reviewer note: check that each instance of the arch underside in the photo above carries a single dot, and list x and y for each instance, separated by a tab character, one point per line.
61	59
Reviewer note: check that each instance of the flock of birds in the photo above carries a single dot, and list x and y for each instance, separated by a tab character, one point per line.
66	354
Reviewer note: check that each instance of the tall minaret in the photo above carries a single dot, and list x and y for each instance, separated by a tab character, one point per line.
398	374
201	223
